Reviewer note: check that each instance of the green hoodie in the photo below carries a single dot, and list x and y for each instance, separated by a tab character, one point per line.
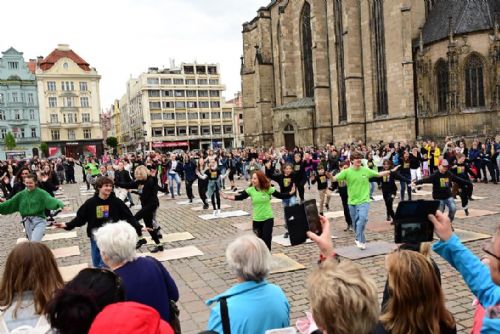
30	203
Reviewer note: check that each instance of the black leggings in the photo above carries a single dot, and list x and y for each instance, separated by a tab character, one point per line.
202	190
300	189
216	196
148	220
264	230
465	194
189	189
389	200
231	174
344	197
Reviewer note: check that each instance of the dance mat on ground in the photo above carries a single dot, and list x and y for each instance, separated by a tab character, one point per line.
66	251
281	263
186	202
466	236
474	197
377	198
53	236
172	237
422	193
69	272
473	213
174	253
334	214
65	215
372	249
247	226
225	214
380	226
200	208
280	240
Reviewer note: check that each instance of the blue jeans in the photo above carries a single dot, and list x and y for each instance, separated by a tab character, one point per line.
373	185
95	253
289	201
452	208
174	177
359	217
34	228
405	186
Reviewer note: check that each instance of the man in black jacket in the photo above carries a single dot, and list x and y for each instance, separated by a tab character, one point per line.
104	207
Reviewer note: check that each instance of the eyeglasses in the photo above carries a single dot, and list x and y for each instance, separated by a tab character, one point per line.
487	249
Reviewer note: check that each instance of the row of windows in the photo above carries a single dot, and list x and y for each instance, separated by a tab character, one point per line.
183	93
56	134
18	132
17	114
183	104
193	130
181	81
70	118
189	115
16	97
66	86
69	101
474	83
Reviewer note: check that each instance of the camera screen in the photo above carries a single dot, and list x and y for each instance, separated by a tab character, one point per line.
313	217
411	232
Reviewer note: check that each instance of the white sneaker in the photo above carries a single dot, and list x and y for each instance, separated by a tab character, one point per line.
215	213
218	213
358	244
362	245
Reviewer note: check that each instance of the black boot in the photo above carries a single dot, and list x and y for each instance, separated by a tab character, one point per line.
140	242
157	248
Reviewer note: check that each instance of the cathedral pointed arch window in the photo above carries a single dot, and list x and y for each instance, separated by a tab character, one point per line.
474	82
379	62
339	51
442	84
307	60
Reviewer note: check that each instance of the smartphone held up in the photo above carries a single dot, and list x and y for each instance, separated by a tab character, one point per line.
301	218
411	224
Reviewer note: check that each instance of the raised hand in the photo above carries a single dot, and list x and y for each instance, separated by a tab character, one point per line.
442	225
323	241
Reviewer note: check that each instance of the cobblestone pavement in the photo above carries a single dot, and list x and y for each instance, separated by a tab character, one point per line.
202	277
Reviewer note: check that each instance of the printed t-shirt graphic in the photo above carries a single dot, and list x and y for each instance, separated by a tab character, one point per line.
322	179
102	211
444	182
286	181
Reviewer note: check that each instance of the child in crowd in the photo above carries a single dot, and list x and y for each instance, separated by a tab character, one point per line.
389	188
462	170
322	179
214	175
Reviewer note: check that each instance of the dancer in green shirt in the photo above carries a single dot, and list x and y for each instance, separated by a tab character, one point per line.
31	204
260	192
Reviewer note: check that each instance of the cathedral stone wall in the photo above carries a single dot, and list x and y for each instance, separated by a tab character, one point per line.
274	74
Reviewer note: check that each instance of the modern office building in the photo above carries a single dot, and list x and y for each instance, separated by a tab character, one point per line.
176	108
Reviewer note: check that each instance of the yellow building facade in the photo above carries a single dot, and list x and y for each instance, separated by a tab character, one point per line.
68	92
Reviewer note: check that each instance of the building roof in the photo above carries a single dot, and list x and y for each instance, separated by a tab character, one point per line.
32	65
467	16
306	102
63	52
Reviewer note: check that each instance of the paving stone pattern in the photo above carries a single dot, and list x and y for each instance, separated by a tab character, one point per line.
202	277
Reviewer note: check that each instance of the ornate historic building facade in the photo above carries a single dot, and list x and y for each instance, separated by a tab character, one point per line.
19	113
319	71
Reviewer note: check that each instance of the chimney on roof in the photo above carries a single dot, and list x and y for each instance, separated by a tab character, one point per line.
63	47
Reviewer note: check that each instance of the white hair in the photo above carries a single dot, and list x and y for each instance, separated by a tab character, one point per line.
249	257
117	241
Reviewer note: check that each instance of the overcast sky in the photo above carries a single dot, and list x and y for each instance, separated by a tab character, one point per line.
122	38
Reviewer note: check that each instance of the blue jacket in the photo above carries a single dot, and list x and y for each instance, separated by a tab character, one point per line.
475	274
190	170
253	308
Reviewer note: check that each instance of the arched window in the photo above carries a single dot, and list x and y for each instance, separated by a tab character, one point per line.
378	47
307	61
474	87
339	51
442	85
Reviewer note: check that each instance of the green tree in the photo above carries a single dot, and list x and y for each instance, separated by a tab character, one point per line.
10	141
112	142
45	149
